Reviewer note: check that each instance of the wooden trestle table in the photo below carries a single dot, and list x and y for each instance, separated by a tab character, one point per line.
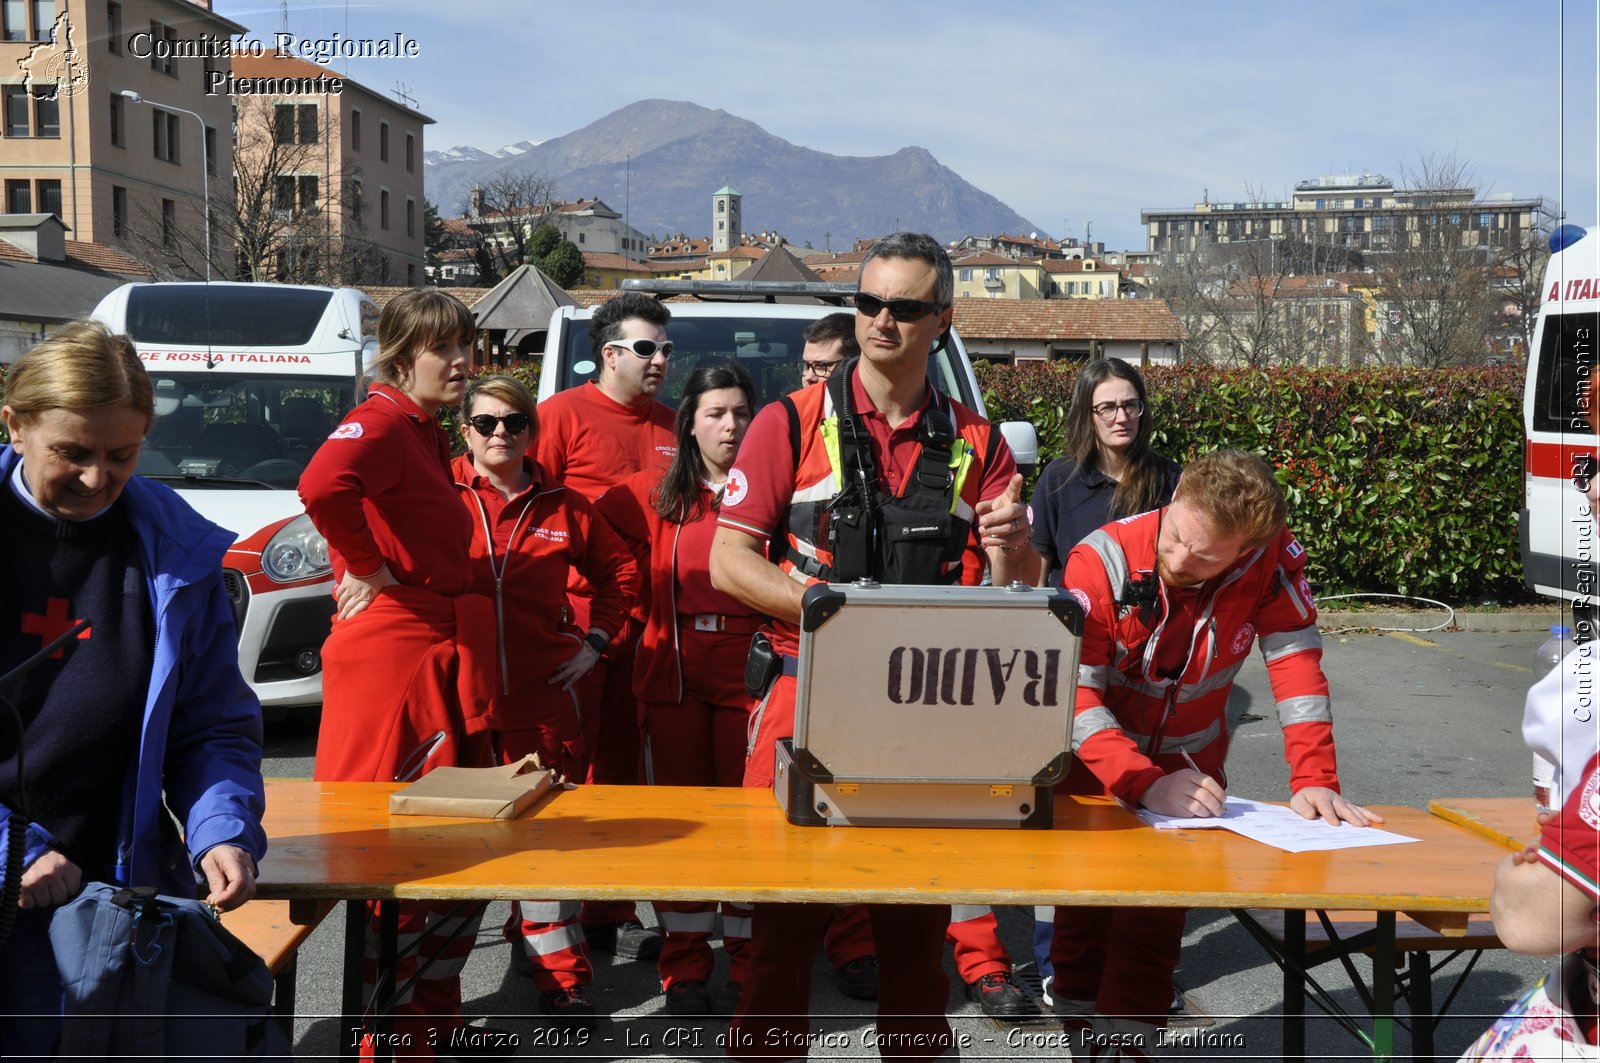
338	840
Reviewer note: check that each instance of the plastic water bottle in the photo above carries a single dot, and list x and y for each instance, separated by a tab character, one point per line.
1546	659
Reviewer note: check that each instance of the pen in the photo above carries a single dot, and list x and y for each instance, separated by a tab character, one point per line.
1187	759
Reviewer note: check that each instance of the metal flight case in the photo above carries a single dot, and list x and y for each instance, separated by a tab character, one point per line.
930	706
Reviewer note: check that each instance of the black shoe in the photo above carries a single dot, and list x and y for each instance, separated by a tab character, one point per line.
858	979
629	939
725	1001
688	998
478	1042
1002	999
570	1007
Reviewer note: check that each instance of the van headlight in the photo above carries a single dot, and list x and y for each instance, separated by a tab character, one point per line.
297	552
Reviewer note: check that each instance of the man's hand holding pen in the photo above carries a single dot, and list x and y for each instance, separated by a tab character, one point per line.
1185	792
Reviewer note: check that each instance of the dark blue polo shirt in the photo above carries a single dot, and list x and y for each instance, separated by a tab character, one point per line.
1068	505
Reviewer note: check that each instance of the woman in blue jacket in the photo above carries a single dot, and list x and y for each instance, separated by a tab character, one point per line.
143	712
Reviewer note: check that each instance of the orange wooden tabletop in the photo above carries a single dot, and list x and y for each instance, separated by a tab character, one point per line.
672	843
1507	821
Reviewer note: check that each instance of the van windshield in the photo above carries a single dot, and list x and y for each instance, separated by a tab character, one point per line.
250	428
769	347
222	315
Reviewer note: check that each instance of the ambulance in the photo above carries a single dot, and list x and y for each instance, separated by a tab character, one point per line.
1558	538
249	380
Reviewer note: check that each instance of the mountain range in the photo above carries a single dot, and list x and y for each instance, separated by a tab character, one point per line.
659	161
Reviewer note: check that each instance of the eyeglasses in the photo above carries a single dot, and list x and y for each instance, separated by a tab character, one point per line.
644	348
1107	411
899	309
484	423
818	367
1583	470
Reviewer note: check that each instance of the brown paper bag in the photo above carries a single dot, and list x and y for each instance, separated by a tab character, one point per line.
501	792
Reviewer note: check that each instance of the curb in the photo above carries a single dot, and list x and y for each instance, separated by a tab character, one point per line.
1426	618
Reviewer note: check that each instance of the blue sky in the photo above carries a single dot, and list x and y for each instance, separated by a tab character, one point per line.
1069	112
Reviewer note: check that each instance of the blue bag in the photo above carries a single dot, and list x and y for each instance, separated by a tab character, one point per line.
151	975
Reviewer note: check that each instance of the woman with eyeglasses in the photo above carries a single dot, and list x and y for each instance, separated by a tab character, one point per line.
406	673
1108	472
529	533
689	672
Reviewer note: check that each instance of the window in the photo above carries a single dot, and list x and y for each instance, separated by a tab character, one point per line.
116	121
294	124
411	276
114	26
580	238
162	41
383	209
211	151
49	197
14	20
355	199
44	20
966	274
19	198
383	141
411	153
46	116
411	216
309	200
283	193
1486	220
169	223
164	135
355	130
119	211
16	110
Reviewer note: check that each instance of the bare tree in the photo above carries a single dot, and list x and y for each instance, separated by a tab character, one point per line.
1260	301
1439	307
507	209
1518	280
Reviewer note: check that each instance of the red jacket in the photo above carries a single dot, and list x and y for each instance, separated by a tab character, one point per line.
1122	705
522	551
630	508
379	491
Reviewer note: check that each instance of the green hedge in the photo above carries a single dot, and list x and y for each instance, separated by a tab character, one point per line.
1398	480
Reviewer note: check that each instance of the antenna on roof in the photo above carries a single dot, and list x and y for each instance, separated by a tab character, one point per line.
402	92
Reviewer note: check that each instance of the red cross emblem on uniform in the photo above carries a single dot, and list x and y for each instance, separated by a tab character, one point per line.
51	624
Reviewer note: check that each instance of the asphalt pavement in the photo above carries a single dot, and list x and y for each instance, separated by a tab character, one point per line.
1416	717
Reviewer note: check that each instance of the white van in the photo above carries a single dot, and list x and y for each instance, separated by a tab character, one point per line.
743	321
1559	418
249	380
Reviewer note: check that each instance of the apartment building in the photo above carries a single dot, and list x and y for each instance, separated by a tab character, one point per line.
117	169
341	173
1356	212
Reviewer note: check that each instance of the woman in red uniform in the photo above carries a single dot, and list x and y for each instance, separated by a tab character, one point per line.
379	490
689	672
528	533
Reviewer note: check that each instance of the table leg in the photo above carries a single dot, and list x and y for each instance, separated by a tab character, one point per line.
383	995
1423	1020
1294	984
1383	956
352	1003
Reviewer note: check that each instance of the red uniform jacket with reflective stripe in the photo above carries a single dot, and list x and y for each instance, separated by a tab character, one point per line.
1123	708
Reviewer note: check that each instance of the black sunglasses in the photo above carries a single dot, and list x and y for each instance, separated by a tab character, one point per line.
899	309
484	423
1582	471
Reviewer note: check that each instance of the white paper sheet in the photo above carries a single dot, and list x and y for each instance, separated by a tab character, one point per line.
1278	826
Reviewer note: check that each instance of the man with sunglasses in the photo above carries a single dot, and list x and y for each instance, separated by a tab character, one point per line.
1174	601
903	309
591	437
830	342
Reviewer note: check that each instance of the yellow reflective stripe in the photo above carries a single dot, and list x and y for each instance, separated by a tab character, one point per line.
830	439
961	458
